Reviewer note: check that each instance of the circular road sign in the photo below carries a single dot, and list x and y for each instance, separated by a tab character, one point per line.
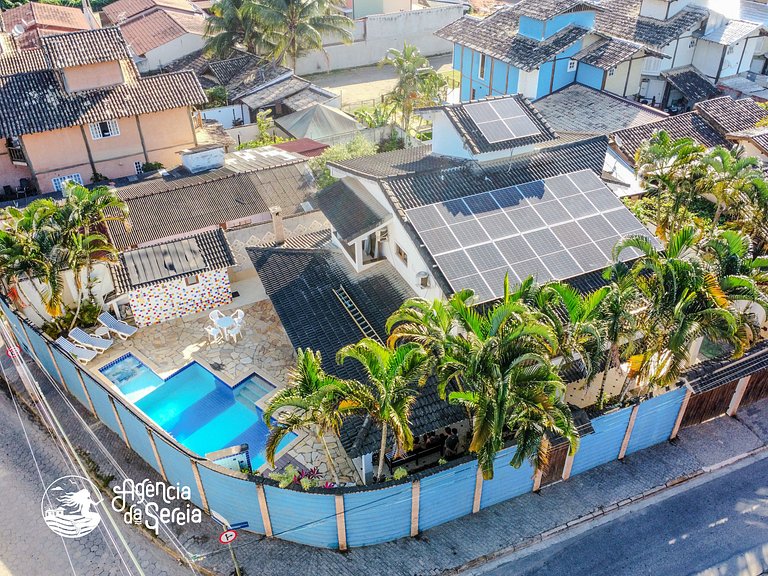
227	537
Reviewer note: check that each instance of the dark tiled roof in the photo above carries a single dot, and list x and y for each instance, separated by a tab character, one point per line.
691	83
473	137
86	47
729	115
351	209
714	373
22	61
300	284
187	256
621	18
160	208
607	53
421	188
497	36
688	125
758	136
36	102
545	9
397	163
579	109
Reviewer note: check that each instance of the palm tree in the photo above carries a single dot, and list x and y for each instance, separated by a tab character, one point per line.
82	251
291	28
418	84
230	25
310	401
729	174
683	301
387	397
618	311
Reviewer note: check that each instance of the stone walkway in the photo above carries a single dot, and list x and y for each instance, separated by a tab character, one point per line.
444	548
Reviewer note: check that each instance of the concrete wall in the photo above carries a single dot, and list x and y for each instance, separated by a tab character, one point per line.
92	76
10	173
64	152
382	32
226	115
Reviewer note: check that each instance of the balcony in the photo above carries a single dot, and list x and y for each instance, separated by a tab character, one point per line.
17	155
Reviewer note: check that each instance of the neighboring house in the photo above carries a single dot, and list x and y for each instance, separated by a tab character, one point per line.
29	22
162	36
252	84
632	48
123	11
77	107
718	122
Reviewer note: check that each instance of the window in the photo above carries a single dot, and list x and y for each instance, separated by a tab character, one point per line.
692	43
191	280
482	66
571	65
472	94
104	130
611	71
58	183
730	49
401	254
139	167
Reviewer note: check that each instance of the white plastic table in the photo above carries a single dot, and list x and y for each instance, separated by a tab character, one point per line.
225	323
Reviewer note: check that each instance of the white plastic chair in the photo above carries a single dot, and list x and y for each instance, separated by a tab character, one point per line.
214	333
215	315
234	332
238	317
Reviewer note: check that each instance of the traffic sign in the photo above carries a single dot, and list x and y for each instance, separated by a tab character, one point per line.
13	352
227	537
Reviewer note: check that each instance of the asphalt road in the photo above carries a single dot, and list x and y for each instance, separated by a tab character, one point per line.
717	528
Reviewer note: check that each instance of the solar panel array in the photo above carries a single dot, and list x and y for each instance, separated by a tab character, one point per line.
551	229
501	120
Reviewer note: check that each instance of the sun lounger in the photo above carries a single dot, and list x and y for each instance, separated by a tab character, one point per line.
82	355
123	330
85	339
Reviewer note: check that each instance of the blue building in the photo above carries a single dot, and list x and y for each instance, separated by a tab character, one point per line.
539	46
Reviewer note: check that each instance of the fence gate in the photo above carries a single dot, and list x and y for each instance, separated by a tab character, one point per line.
558	452
757	389
708	403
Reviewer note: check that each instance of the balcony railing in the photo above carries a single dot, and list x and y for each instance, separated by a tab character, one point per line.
17	155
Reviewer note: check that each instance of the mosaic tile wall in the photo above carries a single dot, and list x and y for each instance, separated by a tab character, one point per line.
161	302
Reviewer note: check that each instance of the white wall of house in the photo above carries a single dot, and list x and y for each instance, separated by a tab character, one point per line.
625	80
739	59
662	9
707	58
226	115
528	83
170	51
377	34
449	143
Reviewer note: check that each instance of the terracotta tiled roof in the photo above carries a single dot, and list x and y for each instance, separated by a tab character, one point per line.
22	61
125	9
36	102
85	47
156	28
45	16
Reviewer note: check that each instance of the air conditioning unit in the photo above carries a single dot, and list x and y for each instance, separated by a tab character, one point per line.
424	279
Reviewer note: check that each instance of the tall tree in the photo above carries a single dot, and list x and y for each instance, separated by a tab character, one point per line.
388	395
310	401
230	26
728	177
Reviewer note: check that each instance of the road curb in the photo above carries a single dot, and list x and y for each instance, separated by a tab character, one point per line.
602	511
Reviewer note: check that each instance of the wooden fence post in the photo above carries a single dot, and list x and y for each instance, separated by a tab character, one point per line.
628	433
200	487
681	413
478	490
341	524
415	495
119	421
738	394
157	454
568	465
264	510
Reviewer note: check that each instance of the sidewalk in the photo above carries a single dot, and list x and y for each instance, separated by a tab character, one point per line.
446	548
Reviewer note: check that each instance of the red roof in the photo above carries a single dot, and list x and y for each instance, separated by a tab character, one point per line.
303	146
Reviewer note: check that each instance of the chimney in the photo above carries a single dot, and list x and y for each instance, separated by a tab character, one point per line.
90	17
277	222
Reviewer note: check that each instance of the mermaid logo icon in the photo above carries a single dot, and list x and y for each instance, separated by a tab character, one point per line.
69	506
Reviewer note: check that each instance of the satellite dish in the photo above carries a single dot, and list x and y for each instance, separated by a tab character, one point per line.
18	30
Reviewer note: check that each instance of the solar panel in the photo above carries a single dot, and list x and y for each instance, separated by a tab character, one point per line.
500	120
566	226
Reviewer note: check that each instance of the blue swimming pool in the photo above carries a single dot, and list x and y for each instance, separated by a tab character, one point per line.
194	406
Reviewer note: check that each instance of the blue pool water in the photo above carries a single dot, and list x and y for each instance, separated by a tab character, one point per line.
194	406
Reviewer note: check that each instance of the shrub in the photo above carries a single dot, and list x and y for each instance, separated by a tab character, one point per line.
355	148
399	473
393	142
217	96
151	166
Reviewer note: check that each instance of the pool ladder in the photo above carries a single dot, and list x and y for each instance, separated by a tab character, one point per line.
356	314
